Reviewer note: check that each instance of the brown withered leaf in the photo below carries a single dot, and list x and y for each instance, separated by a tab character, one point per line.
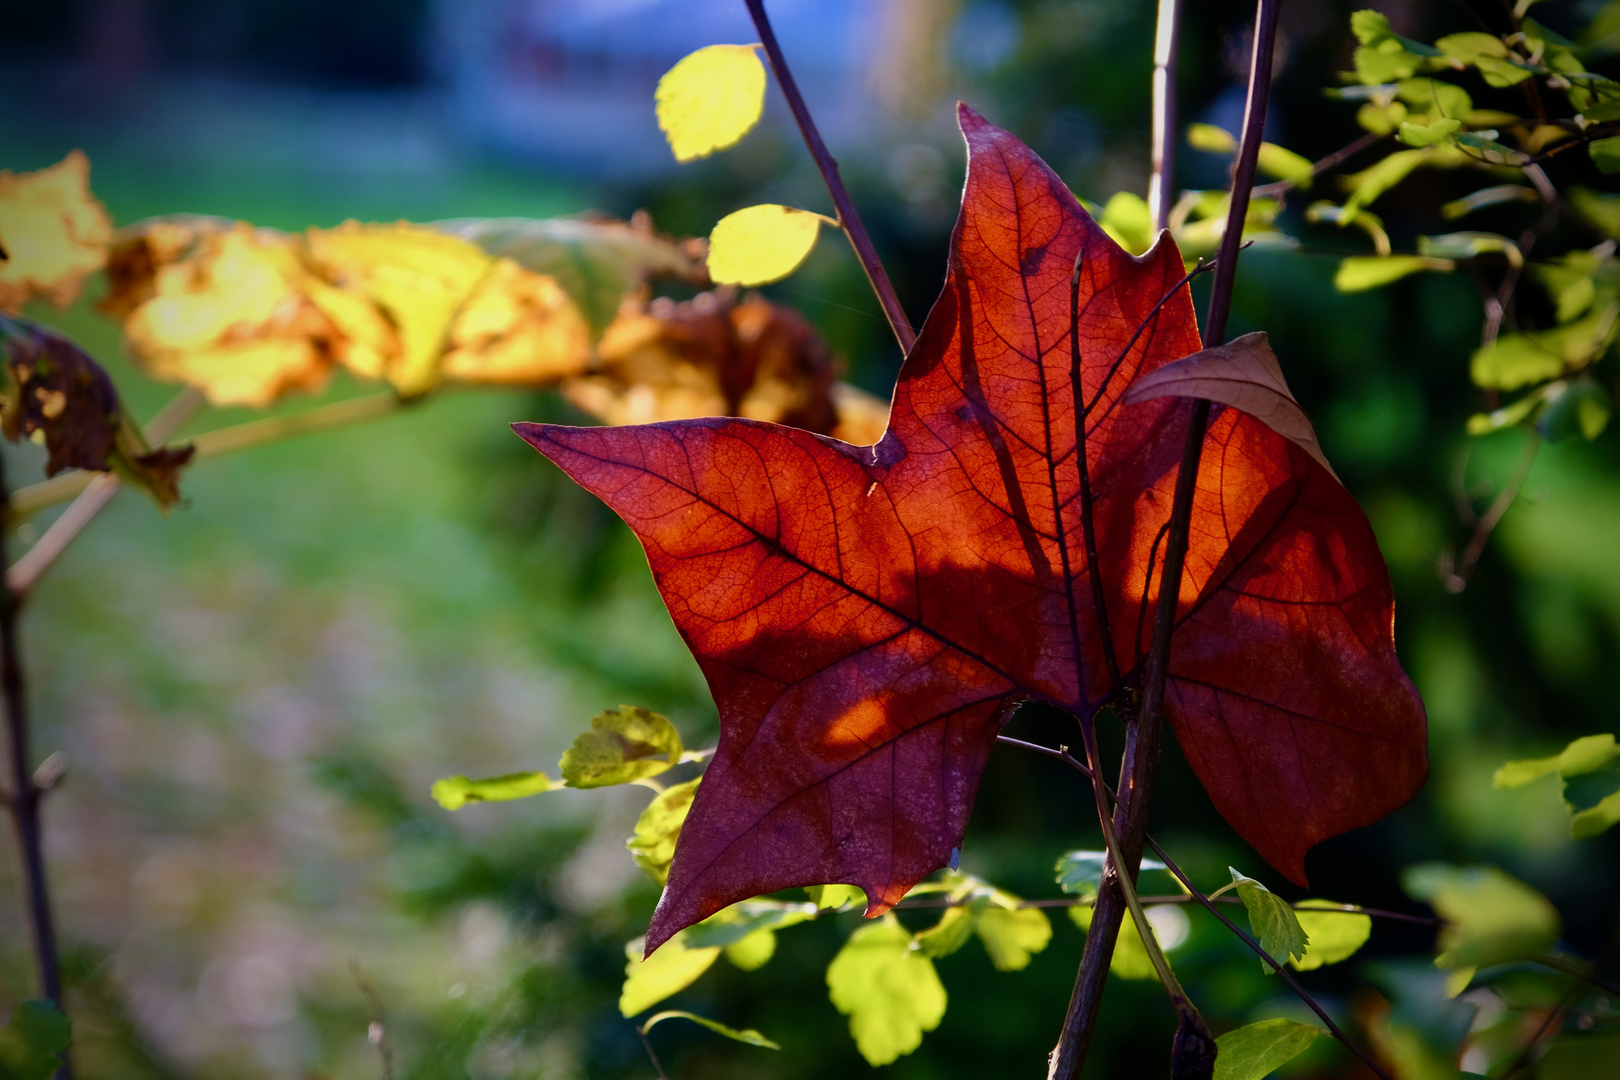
59	396
224	307
709	356
1244	374
53	233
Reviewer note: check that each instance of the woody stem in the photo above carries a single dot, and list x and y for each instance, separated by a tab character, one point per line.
847	217
1145	728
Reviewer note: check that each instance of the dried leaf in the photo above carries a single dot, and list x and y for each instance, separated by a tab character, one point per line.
60	397
53	233
1244	374
710	357
517	329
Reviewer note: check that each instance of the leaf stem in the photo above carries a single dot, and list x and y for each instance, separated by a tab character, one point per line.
847	216
1088	528
1166	45
23	800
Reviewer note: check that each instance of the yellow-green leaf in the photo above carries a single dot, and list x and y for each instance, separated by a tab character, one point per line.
1501	73
1491	917
1378	178
1257	1050
836	897
1334	935
1362	272
1283	164
1011	935
1127	219
745	1035
711	99
624	744
454	792
658	827
1468	245
1516	360
1130	959
1605	154
1212	139
1424	134
760	244
752	952
745	918
1271	921
668	971
953	930
1471	45
889	991
1599	209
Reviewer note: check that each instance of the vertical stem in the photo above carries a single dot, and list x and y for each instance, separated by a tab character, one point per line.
1144	735
847	217
24	799
1165	47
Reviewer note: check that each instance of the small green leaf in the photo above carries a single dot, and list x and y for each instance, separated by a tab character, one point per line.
1079	873
1605	154
1572	280
1271	921
889	991
761	244
1334	935
668	971
1582	409
752	952
1211	139
1486	148
34	1041
658	827
747	1035
1130	959
1371	182
1257	1050
1586	754
1468	245
1436	99
1424	134
1500	73
1011	935
953	930
454	792
1509	415
1516	360
623	745
1490	196
1283	164
836	897
1470	46
1362	272
1491	918
711	99
730	925
1127	219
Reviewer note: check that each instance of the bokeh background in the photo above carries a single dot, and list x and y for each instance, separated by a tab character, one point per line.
256	691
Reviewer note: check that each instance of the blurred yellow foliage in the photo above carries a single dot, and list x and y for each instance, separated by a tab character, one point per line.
54	232
250	315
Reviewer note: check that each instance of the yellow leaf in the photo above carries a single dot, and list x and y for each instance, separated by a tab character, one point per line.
711	99
222	308
761	244
419	277
55	233
518	329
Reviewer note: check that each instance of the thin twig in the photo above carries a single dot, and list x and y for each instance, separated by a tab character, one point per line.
99	488
23	800
377	1030
657	1068
1332	161
1165	47
847	217
1456	577
1254	946
1579	971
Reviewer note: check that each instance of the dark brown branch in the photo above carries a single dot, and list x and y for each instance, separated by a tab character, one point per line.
1332	161
1455	577
1145	732
847	217
24	802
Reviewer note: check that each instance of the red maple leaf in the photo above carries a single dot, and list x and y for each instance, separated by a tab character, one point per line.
867	617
